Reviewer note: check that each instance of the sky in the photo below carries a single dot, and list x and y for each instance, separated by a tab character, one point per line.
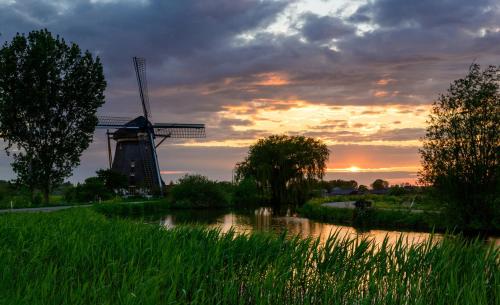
360	75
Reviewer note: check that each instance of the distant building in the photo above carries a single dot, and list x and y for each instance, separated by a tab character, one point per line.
337	191
379	192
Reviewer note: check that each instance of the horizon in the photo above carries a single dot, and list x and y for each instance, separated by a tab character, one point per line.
359	75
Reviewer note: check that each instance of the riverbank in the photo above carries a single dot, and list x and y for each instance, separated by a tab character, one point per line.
80	257
385	213
381	216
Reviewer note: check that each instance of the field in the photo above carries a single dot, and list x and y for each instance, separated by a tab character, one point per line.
382	218
79	256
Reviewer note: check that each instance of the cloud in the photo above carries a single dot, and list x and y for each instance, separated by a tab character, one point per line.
400	134
324	28
210	58
429	13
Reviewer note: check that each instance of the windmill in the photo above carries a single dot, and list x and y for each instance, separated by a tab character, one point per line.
135	151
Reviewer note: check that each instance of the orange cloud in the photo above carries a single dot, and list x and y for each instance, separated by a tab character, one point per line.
167	172
381	93
272	79
385	81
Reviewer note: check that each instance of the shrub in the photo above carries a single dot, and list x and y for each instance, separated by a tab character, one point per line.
93	189
245	192
197	191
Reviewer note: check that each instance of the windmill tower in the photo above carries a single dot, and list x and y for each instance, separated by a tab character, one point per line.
135	151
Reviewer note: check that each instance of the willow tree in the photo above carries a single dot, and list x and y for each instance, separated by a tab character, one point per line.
285	166
461	150
49	95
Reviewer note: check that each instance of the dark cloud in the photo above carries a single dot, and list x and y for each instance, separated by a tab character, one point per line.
429	13
199	61
316	28
235	122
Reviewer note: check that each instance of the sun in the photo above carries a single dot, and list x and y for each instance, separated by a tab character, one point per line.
353	169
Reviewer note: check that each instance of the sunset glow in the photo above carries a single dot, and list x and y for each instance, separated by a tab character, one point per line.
354	169
361	76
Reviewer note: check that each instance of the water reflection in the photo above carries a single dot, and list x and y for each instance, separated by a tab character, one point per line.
262	219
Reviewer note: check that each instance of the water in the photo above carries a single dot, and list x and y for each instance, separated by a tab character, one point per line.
263	219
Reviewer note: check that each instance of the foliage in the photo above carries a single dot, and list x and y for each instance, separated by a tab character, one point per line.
79	257
363	189
196	191
380	184
461	150
92	190
49	95
113	181
397	190
343	184
245	193
284	165
338	183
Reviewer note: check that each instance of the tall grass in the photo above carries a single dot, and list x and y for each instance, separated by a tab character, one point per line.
80	257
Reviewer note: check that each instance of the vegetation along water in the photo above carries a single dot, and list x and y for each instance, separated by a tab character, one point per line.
81	257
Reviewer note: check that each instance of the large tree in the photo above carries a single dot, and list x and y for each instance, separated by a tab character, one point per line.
285	165
461	149
380	184
49	95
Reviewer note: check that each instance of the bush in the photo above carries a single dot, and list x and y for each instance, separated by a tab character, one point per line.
246	192
196	191
93	189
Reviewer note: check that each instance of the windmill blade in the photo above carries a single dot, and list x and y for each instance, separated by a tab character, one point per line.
106	122
173	130
140	72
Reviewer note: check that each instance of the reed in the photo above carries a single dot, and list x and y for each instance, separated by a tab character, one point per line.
80	257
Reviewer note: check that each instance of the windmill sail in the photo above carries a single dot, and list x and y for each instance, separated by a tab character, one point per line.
140	72
173	130
135	151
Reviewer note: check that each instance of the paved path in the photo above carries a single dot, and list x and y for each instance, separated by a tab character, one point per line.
341	204
44	209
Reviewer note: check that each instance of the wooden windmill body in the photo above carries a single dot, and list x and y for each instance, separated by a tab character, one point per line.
135	152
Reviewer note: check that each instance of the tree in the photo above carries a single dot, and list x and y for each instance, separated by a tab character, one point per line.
343	184
49	95
113	181
461	149
363	189
196	191
380	184
92	190
284	165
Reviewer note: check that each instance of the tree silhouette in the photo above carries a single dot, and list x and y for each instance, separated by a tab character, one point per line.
285	166
380	184
461	151
49	95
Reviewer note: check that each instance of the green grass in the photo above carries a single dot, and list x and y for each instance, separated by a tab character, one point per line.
402	202
383	218
132	208
24	201
81	257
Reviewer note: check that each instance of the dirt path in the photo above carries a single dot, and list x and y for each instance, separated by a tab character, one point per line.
43	209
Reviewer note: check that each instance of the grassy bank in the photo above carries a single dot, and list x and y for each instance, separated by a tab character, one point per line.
383	218
132	208
80	257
